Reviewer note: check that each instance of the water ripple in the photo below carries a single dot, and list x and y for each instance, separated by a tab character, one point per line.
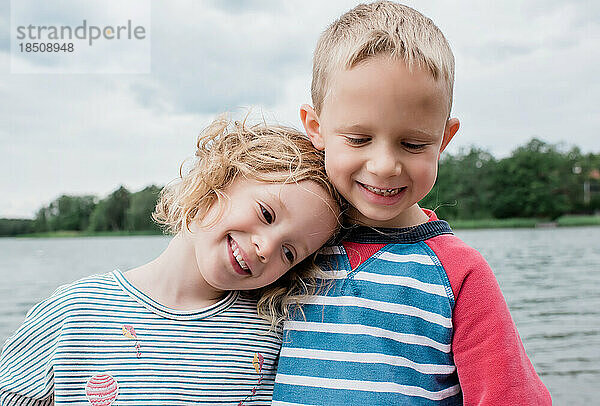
549	278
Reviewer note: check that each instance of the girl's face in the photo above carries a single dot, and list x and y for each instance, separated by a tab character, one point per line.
265	229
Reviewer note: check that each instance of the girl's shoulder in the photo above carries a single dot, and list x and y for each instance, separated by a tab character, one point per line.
67	296
29	353
97	281
43	322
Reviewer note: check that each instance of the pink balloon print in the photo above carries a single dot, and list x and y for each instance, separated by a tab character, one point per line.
101	390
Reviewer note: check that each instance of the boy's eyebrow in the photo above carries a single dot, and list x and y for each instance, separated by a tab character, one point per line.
361	129
417	132
355	128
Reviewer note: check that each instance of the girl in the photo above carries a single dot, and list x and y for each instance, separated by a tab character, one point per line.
183	328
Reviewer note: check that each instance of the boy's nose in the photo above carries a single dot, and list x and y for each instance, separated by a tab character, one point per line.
384	164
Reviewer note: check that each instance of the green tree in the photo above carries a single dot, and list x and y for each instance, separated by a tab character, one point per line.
584	194
110	213
12	227
141	206
65	213
40	223
74	212
463	186
99	219
532	182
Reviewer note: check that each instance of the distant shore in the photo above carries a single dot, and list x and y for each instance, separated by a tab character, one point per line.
70	234
564	221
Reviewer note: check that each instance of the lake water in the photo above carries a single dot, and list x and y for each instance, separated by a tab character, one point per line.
550	279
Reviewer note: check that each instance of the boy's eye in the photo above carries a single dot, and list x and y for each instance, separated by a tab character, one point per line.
356	140
288	254
413	146
266	214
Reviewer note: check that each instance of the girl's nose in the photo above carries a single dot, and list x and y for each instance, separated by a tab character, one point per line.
264	246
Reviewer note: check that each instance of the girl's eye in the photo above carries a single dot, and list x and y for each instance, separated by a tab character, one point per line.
356	141
266	214
288	254
413	146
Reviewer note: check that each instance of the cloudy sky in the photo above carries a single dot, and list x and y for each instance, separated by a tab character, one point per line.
524	68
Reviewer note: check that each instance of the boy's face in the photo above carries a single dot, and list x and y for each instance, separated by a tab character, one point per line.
383	129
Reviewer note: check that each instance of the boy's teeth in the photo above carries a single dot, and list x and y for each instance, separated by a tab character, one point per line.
383	192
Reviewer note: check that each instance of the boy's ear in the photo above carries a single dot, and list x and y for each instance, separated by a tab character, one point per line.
452	126
310	121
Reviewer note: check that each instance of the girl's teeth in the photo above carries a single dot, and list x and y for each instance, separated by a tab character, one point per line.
238	257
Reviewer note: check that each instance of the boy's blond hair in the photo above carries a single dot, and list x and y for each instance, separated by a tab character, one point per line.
380	28
267	153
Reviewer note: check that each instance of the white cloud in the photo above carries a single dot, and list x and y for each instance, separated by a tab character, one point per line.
85	134
523	69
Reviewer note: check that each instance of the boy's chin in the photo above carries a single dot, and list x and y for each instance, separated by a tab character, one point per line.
374	217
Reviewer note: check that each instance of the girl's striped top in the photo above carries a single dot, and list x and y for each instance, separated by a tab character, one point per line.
420	322
101	341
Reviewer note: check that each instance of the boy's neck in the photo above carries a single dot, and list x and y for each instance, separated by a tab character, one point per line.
413	216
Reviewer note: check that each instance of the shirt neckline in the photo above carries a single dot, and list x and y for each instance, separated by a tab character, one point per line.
406	235
166	312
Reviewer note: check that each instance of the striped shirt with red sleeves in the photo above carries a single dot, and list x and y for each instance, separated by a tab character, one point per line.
412	316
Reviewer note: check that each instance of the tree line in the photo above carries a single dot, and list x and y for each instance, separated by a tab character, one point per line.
119	211
538	180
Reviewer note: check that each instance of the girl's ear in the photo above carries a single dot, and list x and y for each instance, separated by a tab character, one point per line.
310	121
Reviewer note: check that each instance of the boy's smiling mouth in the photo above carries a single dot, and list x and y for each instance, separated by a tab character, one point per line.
237	258
382	192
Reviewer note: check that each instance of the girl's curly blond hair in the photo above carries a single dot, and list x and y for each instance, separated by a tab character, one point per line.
266	153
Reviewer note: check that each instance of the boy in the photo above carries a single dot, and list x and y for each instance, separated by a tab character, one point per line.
413	315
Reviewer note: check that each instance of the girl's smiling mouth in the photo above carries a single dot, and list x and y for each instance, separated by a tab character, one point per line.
236	257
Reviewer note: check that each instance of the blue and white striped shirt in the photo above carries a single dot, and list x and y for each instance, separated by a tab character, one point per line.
100	341
381	334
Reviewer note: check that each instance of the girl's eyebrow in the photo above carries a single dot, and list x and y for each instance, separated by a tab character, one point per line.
281	206
299	244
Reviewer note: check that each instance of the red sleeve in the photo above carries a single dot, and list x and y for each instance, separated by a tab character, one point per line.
492	366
